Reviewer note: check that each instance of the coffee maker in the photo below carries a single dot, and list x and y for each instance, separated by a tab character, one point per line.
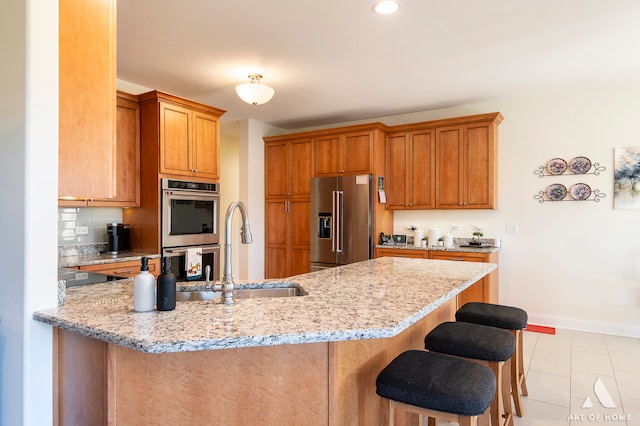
117	237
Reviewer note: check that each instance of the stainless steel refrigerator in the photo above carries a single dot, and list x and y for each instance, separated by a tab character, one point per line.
341	220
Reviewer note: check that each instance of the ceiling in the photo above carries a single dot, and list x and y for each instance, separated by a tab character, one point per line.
333	61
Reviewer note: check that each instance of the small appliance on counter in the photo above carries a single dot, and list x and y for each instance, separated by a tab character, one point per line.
117	238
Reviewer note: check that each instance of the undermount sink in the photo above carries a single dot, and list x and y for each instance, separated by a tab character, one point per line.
246	293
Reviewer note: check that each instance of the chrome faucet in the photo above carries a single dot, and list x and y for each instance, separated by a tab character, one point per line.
227	279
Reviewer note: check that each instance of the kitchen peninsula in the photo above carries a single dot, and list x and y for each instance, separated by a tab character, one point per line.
308	359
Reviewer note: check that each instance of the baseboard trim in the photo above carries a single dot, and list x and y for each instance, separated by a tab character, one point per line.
583	325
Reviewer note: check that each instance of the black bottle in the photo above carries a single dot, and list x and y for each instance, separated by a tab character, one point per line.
166	287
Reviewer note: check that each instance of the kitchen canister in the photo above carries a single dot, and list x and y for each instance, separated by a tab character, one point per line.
448	240
433	235
418	235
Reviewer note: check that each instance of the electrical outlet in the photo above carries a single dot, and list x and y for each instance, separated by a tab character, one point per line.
82	230
511	228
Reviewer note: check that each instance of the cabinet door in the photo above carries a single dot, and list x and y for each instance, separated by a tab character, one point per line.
479	166
397	170
276	156
328	161
422	171
299	231
356	157
448	167
276	239
87	104
204	150
300	167
175	139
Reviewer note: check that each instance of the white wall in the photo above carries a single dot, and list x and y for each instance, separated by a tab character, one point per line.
29	172
229	188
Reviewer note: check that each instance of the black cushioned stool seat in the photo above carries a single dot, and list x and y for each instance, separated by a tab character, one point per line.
438	384
510	318
492	345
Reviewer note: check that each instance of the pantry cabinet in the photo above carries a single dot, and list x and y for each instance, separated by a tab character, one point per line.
287	238
410	170
466	166
87	102
288	168
185	133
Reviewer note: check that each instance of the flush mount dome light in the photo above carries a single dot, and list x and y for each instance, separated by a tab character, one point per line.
386	7
255	93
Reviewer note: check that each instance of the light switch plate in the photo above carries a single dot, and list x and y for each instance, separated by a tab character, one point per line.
82	230
512	228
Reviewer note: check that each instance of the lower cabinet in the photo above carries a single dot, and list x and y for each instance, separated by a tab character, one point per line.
485	290
127	269
287	238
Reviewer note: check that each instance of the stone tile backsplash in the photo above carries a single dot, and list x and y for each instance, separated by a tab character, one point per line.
94	218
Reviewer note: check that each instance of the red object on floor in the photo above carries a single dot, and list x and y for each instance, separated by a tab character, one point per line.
540	329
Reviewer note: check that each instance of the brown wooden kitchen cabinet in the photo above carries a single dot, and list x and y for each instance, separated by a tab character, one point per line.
185	133
410	170
391	252
87	104
128	269
348	151
287	238
466	166
485	290
288	168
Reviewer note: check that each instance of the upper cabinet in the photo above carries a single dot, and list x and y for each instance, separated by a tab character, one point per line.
410	170
466	166
348	150
443	164
288	167
126	155
185	133
87	105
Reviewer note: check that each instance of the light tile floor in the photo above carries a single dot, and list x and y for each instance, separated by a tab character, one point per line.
562	369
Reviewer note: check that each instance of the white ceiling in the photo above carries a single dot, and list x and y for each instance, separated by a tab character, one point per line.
333	61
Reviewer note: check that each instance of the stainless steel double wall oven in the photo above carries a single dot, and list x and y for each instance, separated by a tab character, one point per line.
191	218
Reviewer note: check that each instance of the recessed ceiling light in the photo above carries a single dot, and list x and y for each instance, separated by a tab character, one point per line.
386	7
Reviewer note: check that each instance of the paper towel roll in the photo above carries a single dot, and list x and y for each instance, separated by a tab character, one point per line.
433	236
418	235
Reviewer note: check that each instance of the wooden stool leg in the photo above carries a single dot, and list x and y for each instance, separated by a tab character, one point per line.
517	373
496	406
391	414
506	393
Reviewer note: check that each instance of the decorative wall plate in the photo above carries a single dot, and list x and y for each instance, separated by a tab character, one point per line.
556	192
557	166
580	165
580	191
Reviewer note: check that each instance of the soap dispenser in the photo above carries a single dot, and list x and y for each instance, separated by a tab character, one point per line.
166	287
143	288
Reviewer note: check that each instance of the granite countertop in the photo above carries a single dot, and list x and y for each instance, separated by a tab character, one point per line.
101	259
376	298
480	249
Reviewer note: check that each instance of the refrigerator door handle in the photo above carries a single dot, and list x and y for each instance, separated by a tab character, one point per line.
337	221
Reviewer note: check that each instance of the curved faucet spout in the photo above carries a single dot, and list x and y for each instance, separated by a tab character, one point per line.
227	279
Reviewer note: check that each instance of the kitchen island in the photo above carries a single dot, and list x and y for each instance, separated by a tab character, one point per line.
309	359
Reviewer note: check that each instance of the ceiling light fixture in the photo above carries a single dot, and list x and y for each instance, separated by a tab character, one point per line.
255	93
386	7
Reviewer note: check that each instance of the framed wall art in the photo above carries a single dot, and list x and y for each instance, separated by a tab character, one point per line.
626	178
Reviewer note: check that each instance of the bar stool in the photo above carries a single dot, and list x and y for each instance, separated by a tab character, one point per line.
488	345
512	319
437	386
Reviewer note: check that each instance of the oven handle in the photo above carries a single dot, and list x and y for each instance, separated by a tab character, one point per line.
181	251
